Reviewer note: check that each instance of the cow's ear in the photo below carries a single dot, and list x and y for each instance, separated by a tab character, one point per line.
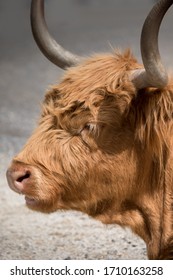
115	103
122	89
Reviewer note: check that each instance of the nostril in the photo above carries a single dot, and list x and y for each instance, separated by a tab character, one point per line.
20	177
23	177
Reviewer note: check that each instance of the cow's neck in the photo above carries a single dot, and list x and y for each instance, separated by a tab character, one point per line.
166	216
148	210
155	203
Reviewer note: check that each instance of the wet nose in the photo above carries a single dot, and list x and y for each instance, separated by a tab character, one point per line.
18	179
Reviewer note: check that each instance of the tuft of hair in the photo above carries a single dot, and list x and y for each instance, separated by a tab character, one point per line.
153	118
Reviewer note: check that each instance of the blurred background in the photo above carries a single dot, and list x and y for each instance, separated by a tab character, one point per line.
83	27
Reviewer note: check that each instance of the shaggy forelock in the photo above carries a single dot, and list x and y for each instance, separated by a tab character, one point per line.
102	77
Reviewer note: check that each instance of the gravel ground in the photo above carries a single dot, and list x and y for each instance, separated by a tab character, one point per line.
61	235
24	76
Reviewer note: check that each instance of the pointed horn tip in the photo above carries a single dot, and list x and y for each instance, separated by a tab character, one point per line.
46	43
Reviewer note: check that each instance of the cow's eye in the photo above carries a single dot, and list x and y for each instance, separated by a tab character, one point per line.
89	135
89	128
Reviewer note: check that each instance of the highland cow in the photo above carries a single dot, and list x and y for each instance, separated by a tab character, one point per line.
104	142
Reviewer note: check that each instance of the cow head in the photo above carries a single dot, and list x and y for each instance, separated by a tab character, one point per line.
103	135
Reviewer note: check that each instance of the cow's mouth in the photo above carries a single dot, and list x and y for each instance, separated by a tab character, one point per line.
31	201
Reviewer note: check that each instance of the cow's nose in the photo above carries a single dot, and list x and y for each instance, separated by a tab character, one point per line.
18	179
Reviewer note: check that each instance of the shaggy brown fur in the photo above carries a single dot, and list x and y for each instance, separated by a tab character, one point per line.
104	148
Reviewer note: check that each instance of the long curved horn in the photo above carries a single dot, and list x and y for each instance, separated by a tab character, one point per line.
154	74
50	48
